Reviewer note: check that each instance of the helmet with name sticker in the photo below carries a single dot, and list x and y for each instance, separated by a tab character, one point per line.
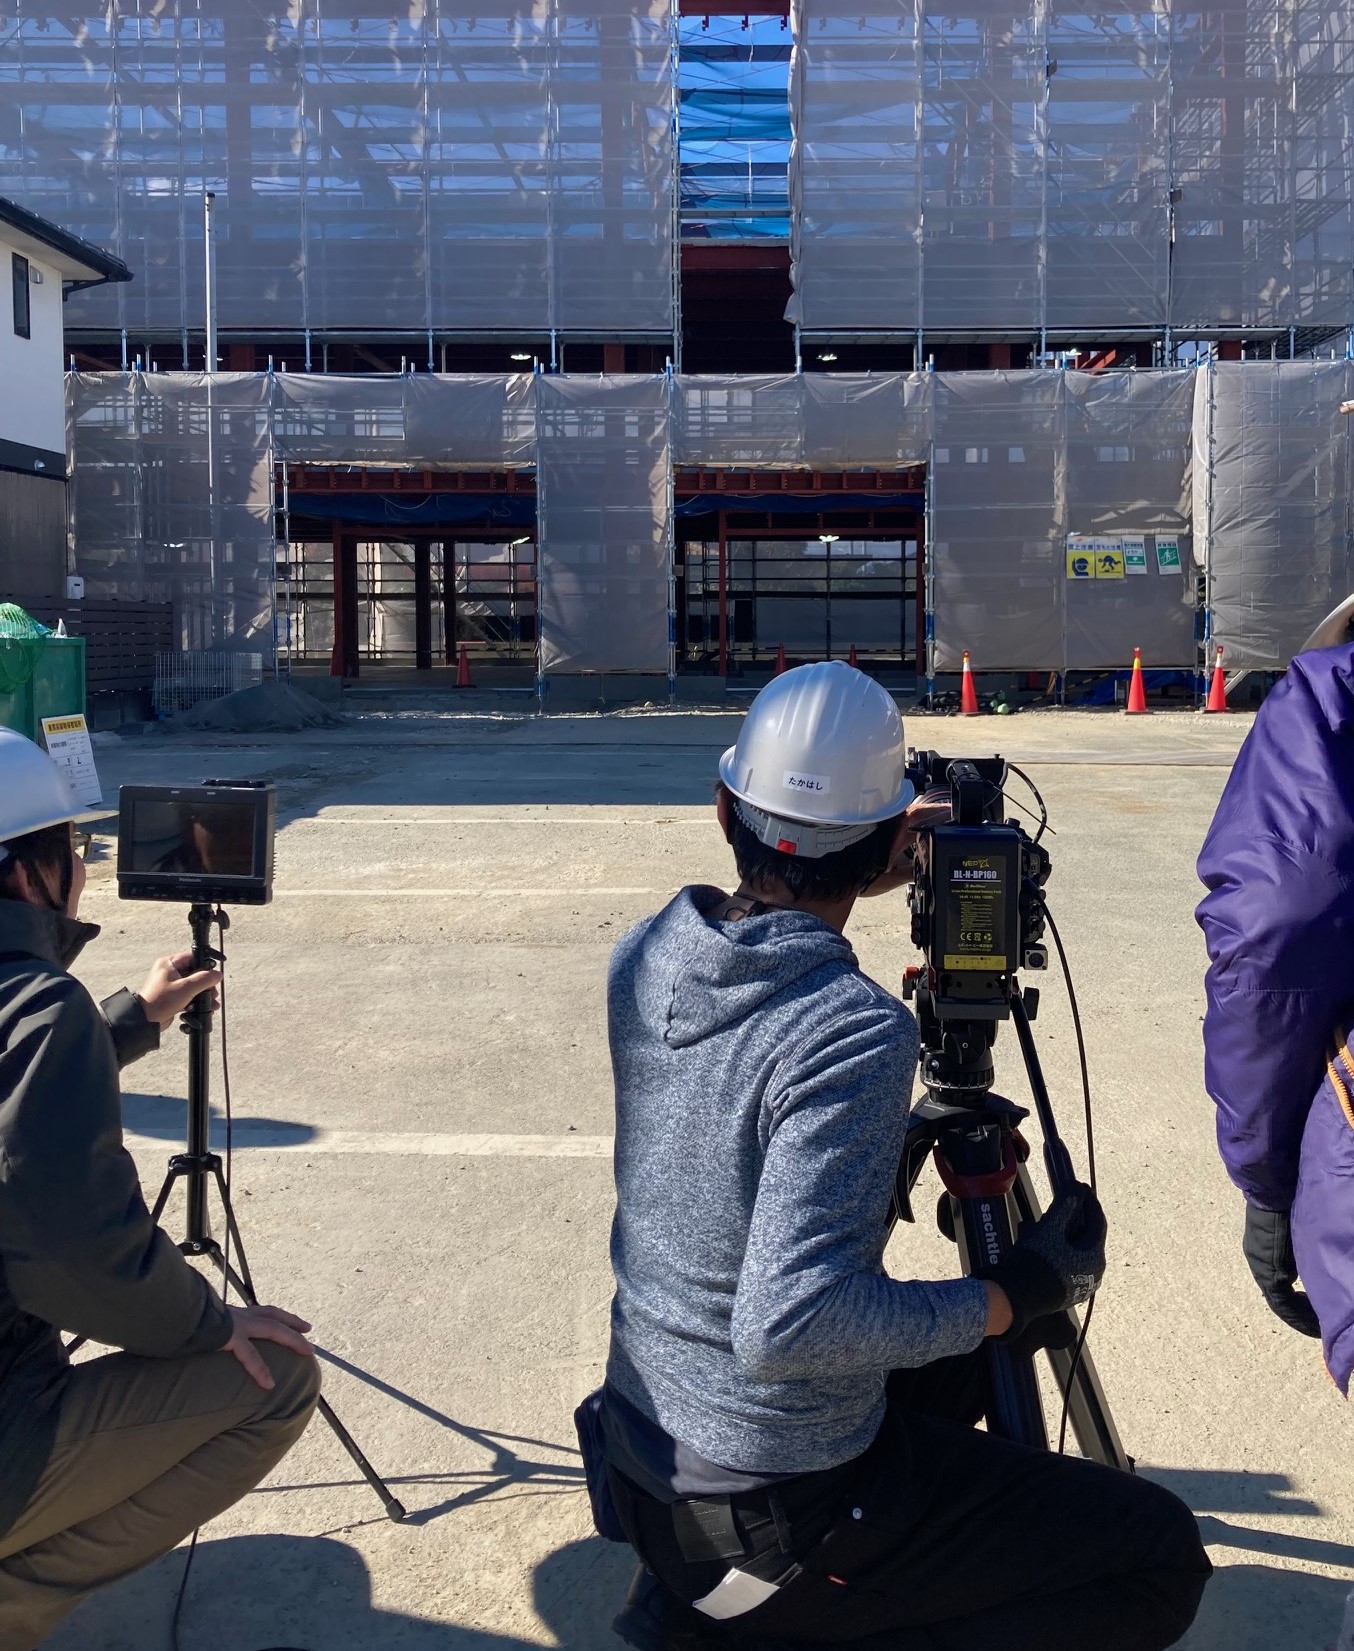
820	760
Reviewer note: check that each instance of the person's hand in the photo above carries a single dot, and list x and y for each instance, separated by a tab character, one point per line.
1056	1262
171	986
1268	1247
931	810
251	1324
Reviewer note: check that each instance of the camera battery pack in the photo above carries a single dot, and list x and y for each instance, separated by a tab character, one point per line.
974	941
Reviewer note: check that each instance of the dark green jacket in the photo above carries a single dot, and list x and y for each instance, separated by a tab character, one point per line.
78	1251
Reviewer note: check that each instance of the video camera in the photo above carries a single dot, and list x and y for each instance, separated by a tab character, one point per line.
206	844
977	916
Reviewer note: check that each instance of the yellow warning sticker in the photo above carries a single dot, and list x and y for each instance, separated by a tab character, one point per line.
1109	564
63	725
1080	564
989	965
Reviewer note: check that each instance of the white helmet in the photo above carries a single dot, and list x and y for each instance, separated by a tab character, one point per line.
820	760
1334	630
33	790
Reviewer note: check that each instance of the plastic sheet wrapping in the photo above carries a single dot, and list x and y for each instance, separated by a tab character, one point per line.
1278	541
604	523
1262	139
412	421
1107	223
837	421
1129	472
1021	461
855	164
171	499
462	164
990	166
998	520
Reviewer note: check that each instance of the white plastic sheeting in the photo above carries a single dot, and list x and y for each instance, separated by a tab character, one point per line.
418	421
1273	494
838	421
1022	460
604	523
987	166
456	164
171	499
171	493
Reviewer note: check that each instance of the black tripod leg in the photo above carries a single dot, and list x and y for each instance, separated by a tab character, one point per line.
392	1505
245	1285
1014	1407
1076	1377
162	1197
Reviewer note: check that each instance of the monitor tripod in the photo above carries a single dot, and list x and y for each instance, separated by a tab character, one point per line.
199	1166
973	1135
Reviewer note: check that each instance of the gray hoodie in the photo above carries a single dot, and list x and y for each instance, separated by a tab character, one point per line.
762	1087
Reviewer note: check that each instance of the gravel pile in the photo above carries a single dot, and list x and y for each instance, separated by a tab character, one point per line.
270	708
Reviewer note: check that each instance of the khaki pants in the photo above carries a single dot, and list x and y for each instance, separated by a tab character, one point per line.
146	1450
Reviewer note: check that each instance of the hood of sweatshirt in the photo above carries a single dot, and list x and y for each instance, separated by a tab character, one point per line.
694	978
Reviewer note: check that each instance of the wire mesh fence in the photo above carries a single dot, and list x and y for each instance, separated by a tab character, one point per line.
183	680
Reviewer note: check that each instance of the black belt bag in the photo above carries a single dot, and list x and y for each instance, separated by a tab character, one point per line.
592	1447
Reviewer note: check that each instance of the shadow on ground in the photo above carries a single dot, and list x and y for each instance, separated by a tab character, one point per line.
311	1593
165	1118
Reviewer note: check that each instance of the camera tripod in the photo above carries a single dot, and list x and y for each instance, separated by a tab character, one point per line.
973	1135
199	1166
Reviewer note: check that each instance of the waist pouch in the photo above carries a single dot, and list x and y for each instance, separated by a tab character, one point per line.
592	1447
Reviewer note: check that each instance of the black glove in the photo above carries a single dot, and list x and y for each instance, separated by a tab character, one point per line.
1055	1263
1268	1248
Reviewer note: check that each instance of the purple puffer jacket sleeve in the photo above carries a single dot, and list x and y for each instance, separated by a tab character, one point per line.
1278	920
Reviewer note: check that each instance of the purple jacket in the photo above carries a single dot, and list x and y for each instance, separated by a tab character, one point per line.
1278	919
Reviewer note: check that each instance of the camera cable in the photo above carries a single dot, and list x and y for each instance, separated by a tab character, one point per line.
1080	1344
1034	792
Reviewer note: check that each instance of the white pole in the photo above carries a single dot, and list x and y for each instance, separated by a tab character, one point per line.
209	275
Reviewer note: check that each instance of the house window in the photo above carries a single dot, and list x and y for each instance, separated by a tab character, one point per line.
23	320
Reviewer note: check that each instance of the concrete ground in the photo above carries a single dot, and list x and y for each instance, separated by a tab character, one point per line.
423	1111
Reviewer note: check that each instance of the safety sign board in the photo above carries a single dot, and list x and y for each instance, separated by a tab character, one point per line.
1095	556
67	742
1168	555
1135	552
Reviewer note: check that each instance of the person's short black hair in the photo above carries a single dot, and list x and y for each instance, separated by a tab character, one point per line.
834	877
43	851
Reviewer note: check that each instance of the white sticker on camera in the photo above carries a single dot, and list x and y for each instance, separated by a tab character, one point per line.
806	785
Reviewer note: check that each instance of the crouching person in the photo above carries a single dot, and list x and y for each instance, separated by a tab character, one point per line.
787	1430
105	1464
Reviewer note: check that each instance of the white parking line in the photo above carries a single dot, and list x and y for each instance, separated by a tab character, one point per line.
274	1137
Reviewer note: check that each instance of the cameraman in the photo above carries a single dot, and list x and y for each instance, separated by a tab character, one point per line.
1278	919
764	1463
106	1464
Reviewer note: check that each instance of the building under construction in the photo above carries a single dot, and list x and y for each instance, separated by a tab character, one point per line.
603	336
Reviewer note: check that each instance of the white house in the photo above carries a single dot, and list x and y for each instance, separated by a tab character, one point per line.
39	265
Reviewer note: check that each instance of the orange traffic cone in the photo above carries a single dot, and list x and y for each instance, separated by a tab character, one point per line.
1137	696
463	670
968	694
1217	689
851	657
780	659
